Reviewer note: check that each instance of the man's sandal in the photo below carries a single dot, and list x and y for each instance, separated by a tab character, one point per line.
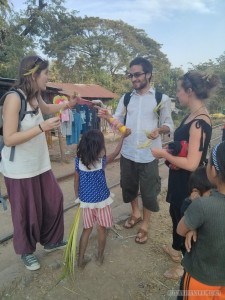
131	222
141	235
176	258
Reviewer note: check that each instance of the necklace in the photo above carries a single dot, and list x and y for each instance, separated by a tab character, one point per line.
194	112
192	115
35	108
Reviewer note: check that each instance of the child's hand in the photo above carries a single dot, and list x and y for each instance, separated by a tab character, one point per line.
194	194
173	167
126	133
103	112
190	235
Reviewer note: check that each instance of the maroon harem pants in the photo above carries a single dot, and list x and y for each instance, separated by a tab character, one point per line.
37	211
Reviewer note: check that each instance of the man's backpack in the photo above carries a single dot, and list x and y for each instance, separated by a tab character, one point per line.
126	100
22	113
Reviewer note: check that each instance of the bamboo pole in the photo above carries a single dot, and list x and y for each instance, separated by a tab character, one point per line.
61	147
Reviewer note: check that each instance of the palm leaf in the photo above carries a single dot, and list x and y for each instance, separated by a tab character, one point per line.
158	107
70	251
144	145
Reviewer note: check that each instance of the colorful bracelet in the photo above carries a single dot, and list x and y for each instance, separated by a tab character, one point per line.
40	127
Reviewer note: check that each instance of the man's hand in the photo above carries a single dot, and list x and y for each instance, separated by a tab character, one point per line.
153	134
126	133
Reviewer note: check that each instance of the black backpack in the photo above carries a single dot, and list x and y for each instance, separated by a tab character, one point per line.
126	100
22	113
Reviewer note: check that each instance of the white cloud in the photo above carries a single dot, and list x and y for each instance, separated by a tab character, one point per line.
140	12
188	30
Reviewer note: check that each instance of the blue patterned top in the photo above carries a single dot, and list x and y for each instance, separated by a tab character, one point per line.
93	191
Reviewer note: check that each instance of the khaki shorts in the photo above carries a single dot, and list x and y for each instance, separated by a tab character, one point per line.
143	176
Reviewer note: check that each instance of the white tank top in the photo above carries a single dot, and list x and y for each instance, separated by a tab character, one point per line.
32	157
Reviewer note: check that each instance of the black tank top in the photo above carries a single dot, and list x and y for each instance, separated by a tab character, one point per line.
182	133
178	179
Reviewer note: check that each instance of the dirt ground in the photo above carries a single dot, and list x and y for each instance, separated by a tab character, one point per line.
130	271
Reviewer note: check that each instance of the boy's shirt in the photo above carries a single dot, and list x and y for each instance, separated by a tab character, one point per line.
206	261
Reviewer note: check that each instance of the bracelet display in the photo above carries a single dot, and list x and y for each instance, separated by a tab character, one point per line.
40	127
117	125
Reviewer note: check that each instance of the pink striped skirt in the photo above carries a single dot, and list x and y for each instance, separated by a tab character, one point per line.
101	216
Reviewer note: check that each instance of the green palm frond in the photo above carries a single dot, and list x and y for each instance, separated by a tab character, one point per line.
158	107
70	251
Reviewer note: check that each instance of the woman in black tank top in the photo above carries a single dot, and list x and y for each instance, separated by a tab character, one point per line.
196	130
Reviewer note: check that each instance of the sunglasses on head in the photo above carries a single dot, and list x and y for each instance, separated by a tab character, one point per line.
135	75
34	67
37	60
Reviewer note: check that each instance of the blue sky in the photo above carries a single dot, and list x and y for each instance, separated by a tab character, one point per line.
190	31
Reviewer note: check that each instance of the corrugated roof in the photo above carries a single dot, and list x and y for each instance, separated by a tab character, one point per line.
84	90
7	79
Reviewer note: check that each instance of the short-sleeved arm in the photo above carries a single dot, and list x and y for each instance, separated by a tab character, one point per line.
194	215
120	110
165	113
77	164
104	162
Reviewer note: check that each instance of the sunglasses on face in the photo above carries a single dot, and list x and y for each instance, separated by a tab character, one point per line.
135	75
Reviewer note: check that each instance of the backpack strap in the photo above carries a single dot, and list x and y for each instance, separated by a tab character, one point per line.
126	101
23	108
22	113
23	102
158	98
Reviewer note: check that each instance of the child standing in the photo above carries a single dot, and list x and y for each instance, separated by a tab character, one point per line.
204	264
91	188
199	186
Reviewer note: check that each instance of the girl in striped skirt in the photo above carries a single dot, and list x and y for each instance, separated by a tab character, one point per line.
91	189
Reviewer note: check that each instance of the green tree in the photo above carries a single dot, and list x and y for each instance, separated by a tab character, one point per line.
13	46
99	50
21	33
4	7
217	101
167	83
87	50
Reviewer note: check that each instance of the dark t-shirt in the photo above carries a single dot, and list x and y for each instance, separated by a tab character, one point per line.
206	261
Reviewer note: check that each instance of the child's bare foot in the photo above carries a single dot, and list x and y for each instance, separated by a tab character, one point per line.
83	262
99	260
